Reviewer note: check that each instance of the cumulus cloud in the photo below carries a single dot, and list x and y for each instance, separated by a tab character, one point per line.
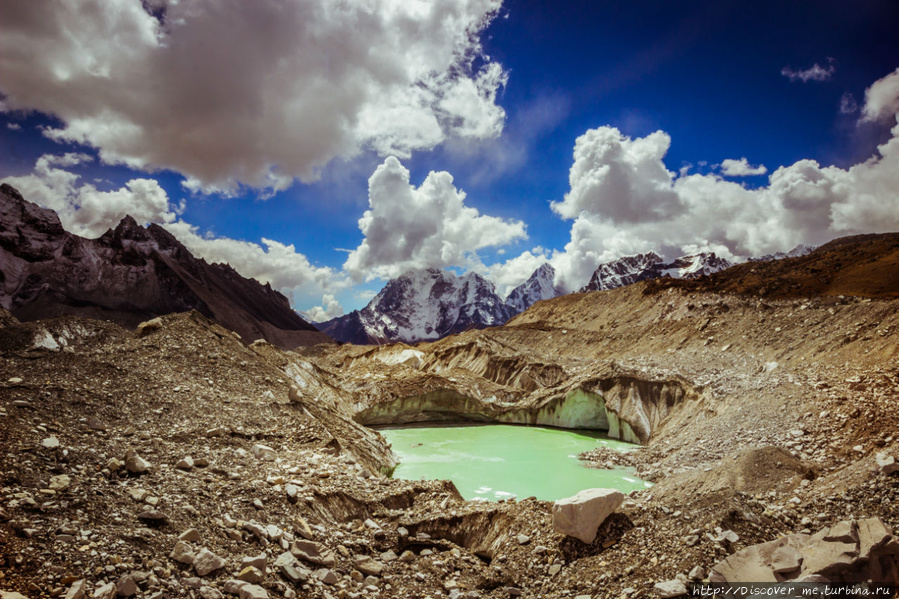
329	309
88	212
257	93
624	201
741	168
428	226
814	73
82	208
882	99
619	178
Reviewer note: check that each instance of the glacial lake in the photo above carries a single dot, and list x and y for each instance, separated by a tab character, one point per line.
499	461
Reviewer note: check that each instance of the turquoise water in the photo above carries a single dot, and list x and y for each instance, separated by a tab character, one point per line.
498	461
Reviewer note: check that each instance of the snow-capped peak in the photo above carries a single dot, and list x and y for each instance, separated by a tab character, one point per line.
423	304
633	269
539	286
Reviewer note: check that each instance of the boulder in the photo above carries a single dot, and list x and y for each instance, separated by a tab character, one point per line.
886	463
206	562
846	552
581	515
670	588
313	552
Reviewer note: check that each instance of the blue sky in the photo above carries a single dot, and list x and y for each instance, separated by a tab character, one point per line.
573	132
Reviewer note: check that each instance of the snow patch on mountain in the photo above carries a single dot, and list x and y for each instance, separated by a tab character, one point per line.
641	267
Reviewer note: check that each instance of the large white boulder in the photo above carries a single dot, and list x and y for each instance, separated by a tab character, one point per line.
579	516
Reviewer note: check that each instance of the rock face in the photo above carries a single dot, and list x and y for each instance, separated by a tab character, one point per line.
633	269
850	551
422	305
581	515
129	275
540	286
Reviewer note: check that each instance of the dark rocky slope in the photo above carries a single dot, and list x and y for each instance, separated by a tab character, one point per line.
128	275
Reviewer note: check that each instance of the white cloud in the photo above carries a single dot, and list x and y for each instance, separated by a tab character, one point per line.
814	73
279	264
882	98
620	178
252	92
14	126
329	309
408	227
82	208
741	168
513	272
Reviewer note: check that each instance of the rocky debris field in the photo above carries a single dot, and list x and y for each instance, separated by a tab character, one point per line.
178	461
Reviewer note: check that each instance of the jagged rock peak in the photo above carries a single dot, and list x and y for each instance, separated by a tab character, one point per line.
128	275
539	286
422	304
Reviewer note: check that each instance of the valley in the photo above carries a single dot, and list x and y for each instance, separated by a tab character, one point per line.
180	458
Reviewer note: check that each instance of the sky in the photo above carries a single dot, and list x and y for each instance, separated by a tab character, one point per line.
326	146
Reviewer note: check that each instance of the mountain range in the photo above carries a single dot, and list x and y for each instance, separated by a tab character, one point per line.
429	304
128	275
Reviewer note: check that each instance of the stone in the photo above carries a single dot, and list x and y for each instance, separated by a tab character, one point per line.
251	574
153	517
11	595
581	515
138	494
368	566
252	591
182	553
210	593
523	539
292	492
147	327
313	552
264	453
60	483
185	463
697	573
206	562
50	443
77	590
232	587
259	562
191	535
107	591
886	463
842	532
126	587
15	380
327	576
136	464
114	464
670	588
785	559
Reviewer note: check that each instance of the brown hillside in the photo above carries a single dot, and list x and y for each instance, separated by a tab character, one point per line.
861	266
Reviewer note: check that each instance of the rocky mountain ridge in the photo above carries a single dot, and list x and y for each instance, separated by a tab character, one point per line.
128	275
642	267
